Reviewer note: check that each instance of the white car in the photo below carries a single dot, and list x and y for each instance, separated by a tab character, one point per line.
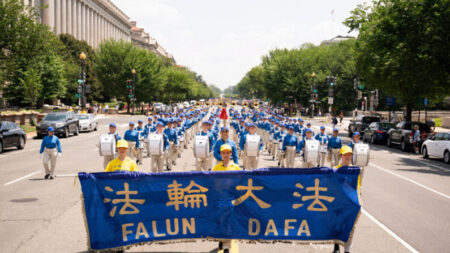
437	146
186	104
87	122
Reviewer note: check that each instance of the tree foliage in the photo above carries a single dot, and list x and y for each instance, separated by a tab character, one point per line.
403	48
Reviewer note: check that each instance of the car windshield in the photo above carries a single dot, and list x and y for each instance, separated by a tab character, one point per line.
82	116
371	119
54	116
385	126
158	104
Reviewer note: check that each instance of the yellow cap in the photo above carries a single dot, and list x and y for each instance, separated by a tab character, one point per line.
225	147
122	144
346	150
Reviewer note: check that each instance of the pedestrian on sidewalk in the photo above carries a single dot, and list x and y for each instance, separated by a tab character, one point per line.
341	116
52	148
334	121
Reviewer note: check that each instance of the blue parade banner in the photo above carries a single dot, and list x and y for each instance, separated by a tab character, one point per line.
318	205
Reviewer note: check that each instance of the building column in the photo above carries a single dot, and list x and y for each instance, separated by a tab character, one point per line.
58	16
48	14
87	24
69	17
76	19
63	16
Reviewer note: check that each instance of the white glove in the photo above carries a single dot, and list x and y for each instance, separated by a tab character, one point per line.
59	154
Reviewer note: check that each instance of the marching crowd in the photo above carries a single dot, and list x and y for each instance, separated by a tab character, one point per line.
163	137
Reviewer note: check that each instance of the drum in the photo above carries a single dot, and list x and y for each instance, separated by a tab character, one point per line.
156	142
252	144
312	151
361	154
107	146
323	148
201	146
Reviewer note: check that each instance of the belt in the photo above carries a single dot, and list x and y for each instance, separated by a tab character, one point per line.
50	148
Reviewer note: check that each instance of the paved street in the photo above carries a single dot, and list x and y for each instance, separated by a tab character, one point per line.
406	201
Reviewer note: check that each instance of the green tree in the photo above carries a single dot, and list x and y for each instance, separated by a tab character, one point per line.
403	48
31	85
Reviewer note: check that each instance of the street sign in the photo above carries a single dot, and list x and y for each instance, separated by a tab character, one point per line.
312	100
425	101
80	81
315	90
77	95
390	101
330	101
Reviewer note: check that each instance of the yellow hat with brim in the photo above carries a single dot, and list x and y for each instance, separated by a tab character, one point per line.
225	147
122	144
346	150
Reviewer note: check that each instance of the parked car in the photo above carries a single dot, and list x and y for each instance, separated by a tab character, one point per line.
11	135
158	107
65	123
377	132
360	123
437	146
186	104
400	134
87	122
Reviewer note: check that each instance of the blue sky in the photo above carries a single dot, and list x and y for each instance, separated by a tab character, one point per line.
222	40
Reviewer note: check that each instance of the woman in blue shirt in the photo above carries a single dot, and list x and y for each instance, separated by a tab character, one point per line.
51	147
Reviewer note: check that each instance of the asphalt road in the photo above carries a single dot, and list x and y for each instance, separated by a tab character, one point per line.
405	199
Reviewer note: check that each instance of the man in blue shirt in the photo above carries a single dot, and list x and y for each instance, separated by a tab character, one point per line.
302	144
157	159
290	147
132	137
334	146
142	135
113	131
251	162
224	131
149	128
52	148
173	138
279	137
322	137
204	163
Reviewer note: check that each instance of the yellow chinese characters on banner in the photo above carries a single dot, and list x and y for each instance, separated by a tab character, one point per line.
128	207
250	188
316	204
190	196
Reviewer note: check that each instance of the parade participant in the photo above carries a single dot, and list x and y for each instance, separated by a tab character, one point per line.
142	136
181	136
356	140
204	163
322	137
300	128
346	155
173	139
251	162
225	165
224	131
52	147
308	126
279	136
112	130
157	160
290	147
274	142
132	137
334	146
302	144
148	129
223	115
122	161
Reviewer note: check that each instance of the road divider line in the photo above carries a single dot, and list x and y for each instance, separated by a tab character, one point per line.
410	180
387	230
21	178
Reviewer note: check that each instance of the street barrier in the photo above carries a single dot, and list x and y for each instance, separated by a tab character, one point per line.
318	205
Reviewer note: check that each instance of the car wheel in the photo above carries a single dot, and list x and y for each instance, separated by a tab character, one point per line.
39	136
1	147
403	145
388	142
96	126
350	133
77	130
21	143
66	132
372	140
424	152
446	156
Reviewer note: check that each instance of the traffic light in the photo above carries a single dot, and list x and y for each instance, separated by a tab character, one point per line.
129	84
331	92
331	80
79	89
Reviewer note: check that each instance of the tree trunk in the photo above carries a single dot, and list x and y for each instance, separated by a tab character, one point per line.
409	108
128	105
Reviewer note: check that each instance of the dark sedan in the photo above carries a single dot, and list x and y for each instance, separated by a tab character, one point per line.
11	135
64	124
377	132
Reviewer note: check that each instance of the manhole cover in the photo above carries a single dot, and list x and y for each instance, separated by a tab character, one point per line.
23	200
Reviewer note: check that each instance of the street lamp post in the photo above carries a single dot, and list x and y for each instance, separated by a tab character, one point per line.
133	72
313	88
83	83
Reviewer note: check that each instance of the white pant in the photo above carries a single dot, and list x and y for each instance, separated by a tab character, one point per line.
251	162
290	156
171	156
131	149
274	148
50	156
335	157
322	157
157	163
107	159
202	164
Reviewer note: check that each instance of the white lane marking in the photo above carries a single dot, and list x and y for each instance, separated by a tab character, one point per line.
21	178
410	180
396	237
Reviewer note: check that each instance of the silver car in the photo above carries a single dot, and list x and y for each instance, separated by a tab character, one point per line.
88	122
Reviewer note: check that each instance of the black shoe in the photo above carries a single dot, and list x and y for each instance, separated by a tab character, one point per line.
137	161
336	248
46	176
226	251
51	177
278	163
220	245
168	168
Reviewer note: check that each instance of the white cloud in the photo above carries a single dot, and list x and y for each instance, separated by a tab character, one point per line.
151	11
